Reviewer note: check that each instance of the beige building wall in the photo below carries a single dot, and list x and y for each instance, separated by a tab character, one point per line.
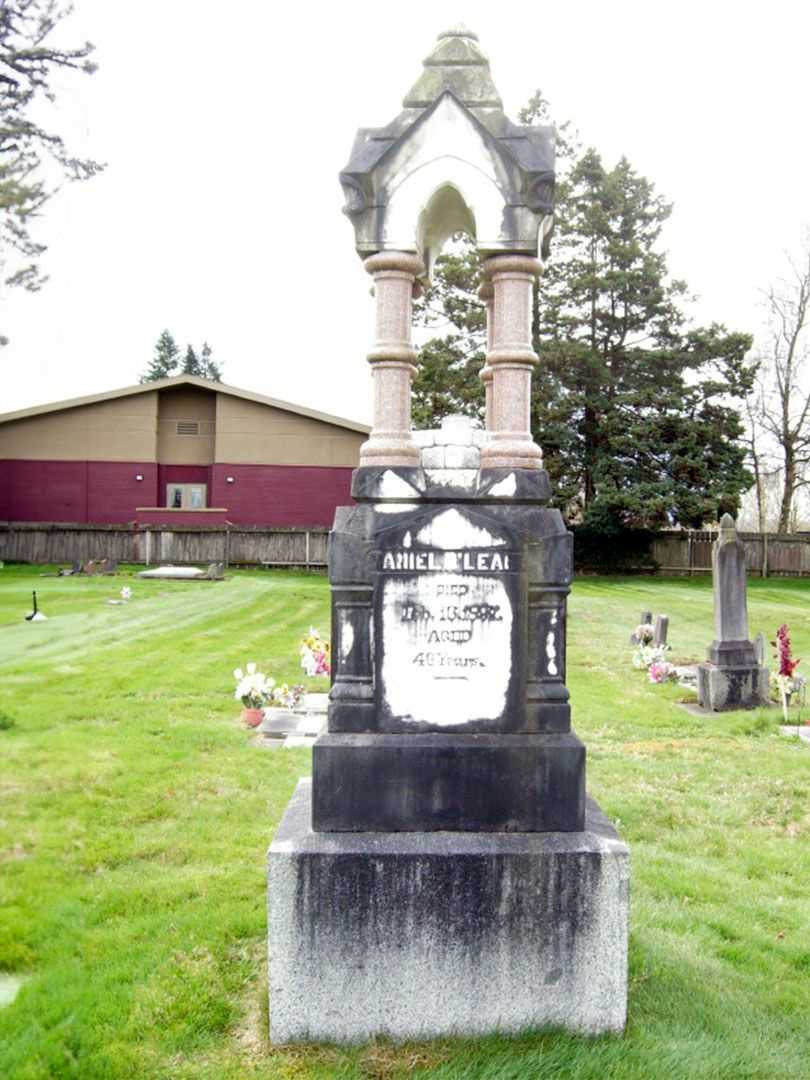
249	433
186	405
123	429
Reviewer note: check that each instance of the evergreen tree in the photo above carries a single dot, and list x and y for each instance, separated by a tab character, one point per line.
165	361
28	61
209	369
191	363
631	407
448	378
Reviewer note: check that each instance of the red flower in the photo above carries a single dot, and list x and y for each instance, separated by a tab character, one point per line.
787	665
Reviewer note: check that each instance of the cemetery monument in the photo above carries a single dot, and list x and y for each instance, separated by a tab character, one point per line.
734	676
444	871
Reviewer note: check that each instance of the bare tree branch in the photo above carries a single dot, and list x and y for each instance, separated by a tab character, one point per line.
779	405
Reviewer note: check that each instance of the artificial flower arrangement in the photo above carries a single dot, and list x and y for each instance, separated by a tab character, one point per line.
316	654
253	689
645	655
644	633
785	682
256	691
653	658
288	697
661	671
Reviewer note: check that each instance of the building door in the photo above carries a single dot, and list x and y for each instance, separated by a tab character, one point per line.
187	496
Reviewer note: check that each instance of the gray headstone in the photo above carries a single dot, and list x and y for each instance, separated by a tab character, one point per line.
661	628
729	573
734	677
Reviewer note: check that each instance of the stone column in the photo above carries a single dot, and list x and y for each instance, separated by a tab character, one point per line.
733	677
511	359
729	581
393	361
486	293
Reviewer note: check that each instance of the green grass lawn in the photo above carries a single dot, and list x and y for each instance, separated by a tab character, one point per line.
135	813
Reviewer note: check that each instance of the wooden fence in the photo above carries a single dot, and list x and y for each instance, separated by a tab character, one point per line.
766	554
154	545
674	552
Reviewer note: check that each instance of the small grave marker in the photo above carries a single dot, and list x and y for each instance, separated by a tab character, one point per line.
661	628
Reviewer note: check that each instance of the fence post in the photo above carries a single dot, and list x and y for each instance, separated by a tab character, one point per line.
764	555
227	543
689	554
148	555
306	549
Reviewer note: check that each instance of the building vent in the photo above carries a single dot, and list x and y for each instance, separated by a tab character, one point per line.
188	427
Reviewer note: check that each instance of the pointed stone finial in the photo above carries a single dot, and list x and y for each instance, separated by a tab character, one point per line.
728	529
459	30
456	64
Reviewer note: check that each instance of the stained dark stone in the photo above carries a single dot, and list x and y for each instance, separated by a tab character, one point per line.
427	782
472	884
448	619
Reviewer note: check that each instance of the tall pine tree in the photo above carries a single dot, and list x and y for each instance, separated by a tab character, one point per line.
165	361
449	365
632	408
209	369
191	363
33	60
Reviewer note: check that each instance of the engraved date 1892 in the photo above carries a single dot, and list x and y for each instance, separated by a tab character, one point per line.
482	612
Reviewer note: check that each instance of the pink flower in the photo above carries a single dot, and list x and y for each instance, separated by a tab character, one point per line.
661	671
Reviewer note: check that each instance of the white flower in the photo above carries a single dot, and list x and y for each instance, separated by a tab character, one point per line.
253	688
649	654
126	593
308	663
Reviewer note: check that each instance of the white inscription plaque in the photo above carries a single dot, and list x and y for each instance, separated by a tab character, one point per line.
446	625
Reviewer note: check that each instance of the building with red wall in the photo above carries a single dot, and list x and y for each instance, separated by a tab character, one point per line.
178	451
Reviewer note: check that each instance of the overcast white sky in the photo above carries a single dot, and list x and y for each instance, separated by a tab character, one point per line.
224	127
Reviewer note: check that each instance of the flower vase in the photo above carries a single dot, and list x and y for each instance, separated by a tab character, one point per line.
786	695
252	717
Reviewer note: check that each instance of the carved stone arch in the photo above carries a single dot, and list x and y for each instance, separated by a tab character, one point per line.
452	161
445	213
443	196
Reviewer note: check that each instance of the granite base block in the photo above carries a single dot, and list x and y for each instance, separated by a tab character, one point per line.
420	935
721	689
